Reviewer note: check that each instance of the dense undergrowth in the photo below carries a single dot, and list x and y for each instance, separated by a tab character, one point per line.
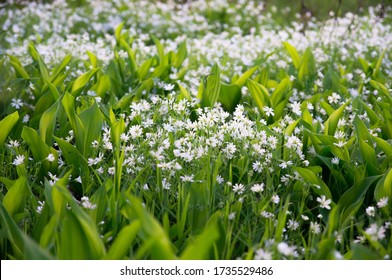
138	130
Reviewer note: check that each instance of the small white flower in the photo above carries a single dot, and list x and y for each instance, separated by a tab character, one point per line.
292	224
268	111
17	103
257	188
375	232
304	217
40	207
324	203
219	179
238	188
87	204
315	228
19	160
187	178
275	199
371	211
263	255
285	249
232	216
111	170
382	202
334	98
335	160
50	157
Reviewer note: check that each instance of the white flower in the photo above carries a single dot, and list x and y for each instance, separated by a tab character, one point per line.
168	87
286	250
257	188
371	211
187	178
296	108
292	224
382	202
334	98
335	160
19	160
87	204
275	199
231	216
238	188
268	111
219	179
40	207
315	228
111	170
50	157
263	255
375	232
324	203
257	166
17	103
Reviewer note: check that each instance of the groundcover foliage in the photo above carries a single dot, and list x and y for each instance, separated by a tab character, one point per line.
140	130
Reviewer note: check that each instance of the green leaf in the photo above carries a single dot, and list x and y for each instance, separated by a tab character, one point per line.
15	199
384	187
81	81
294	54
244	78
259	94
201	247
360	252
230	96
20	70
151	231
6	126
123	242
280	93
184	93
24	247
92	124
332	122
47	123
211	88
318	185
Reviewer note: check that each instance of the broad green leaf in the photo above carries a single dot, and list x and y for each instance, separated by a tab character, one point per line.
56	72
117	32
280	93
184	93
6	125
332	122
81	81
294	54
259	94
68	103
360	252
73	157
15	199
244	78
24	247
230	96
317	184
151	231
368	157
123	242
47	123
180	55
92	125
93	59
378	64
201	246
20	70
211	88
384	187
383	145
